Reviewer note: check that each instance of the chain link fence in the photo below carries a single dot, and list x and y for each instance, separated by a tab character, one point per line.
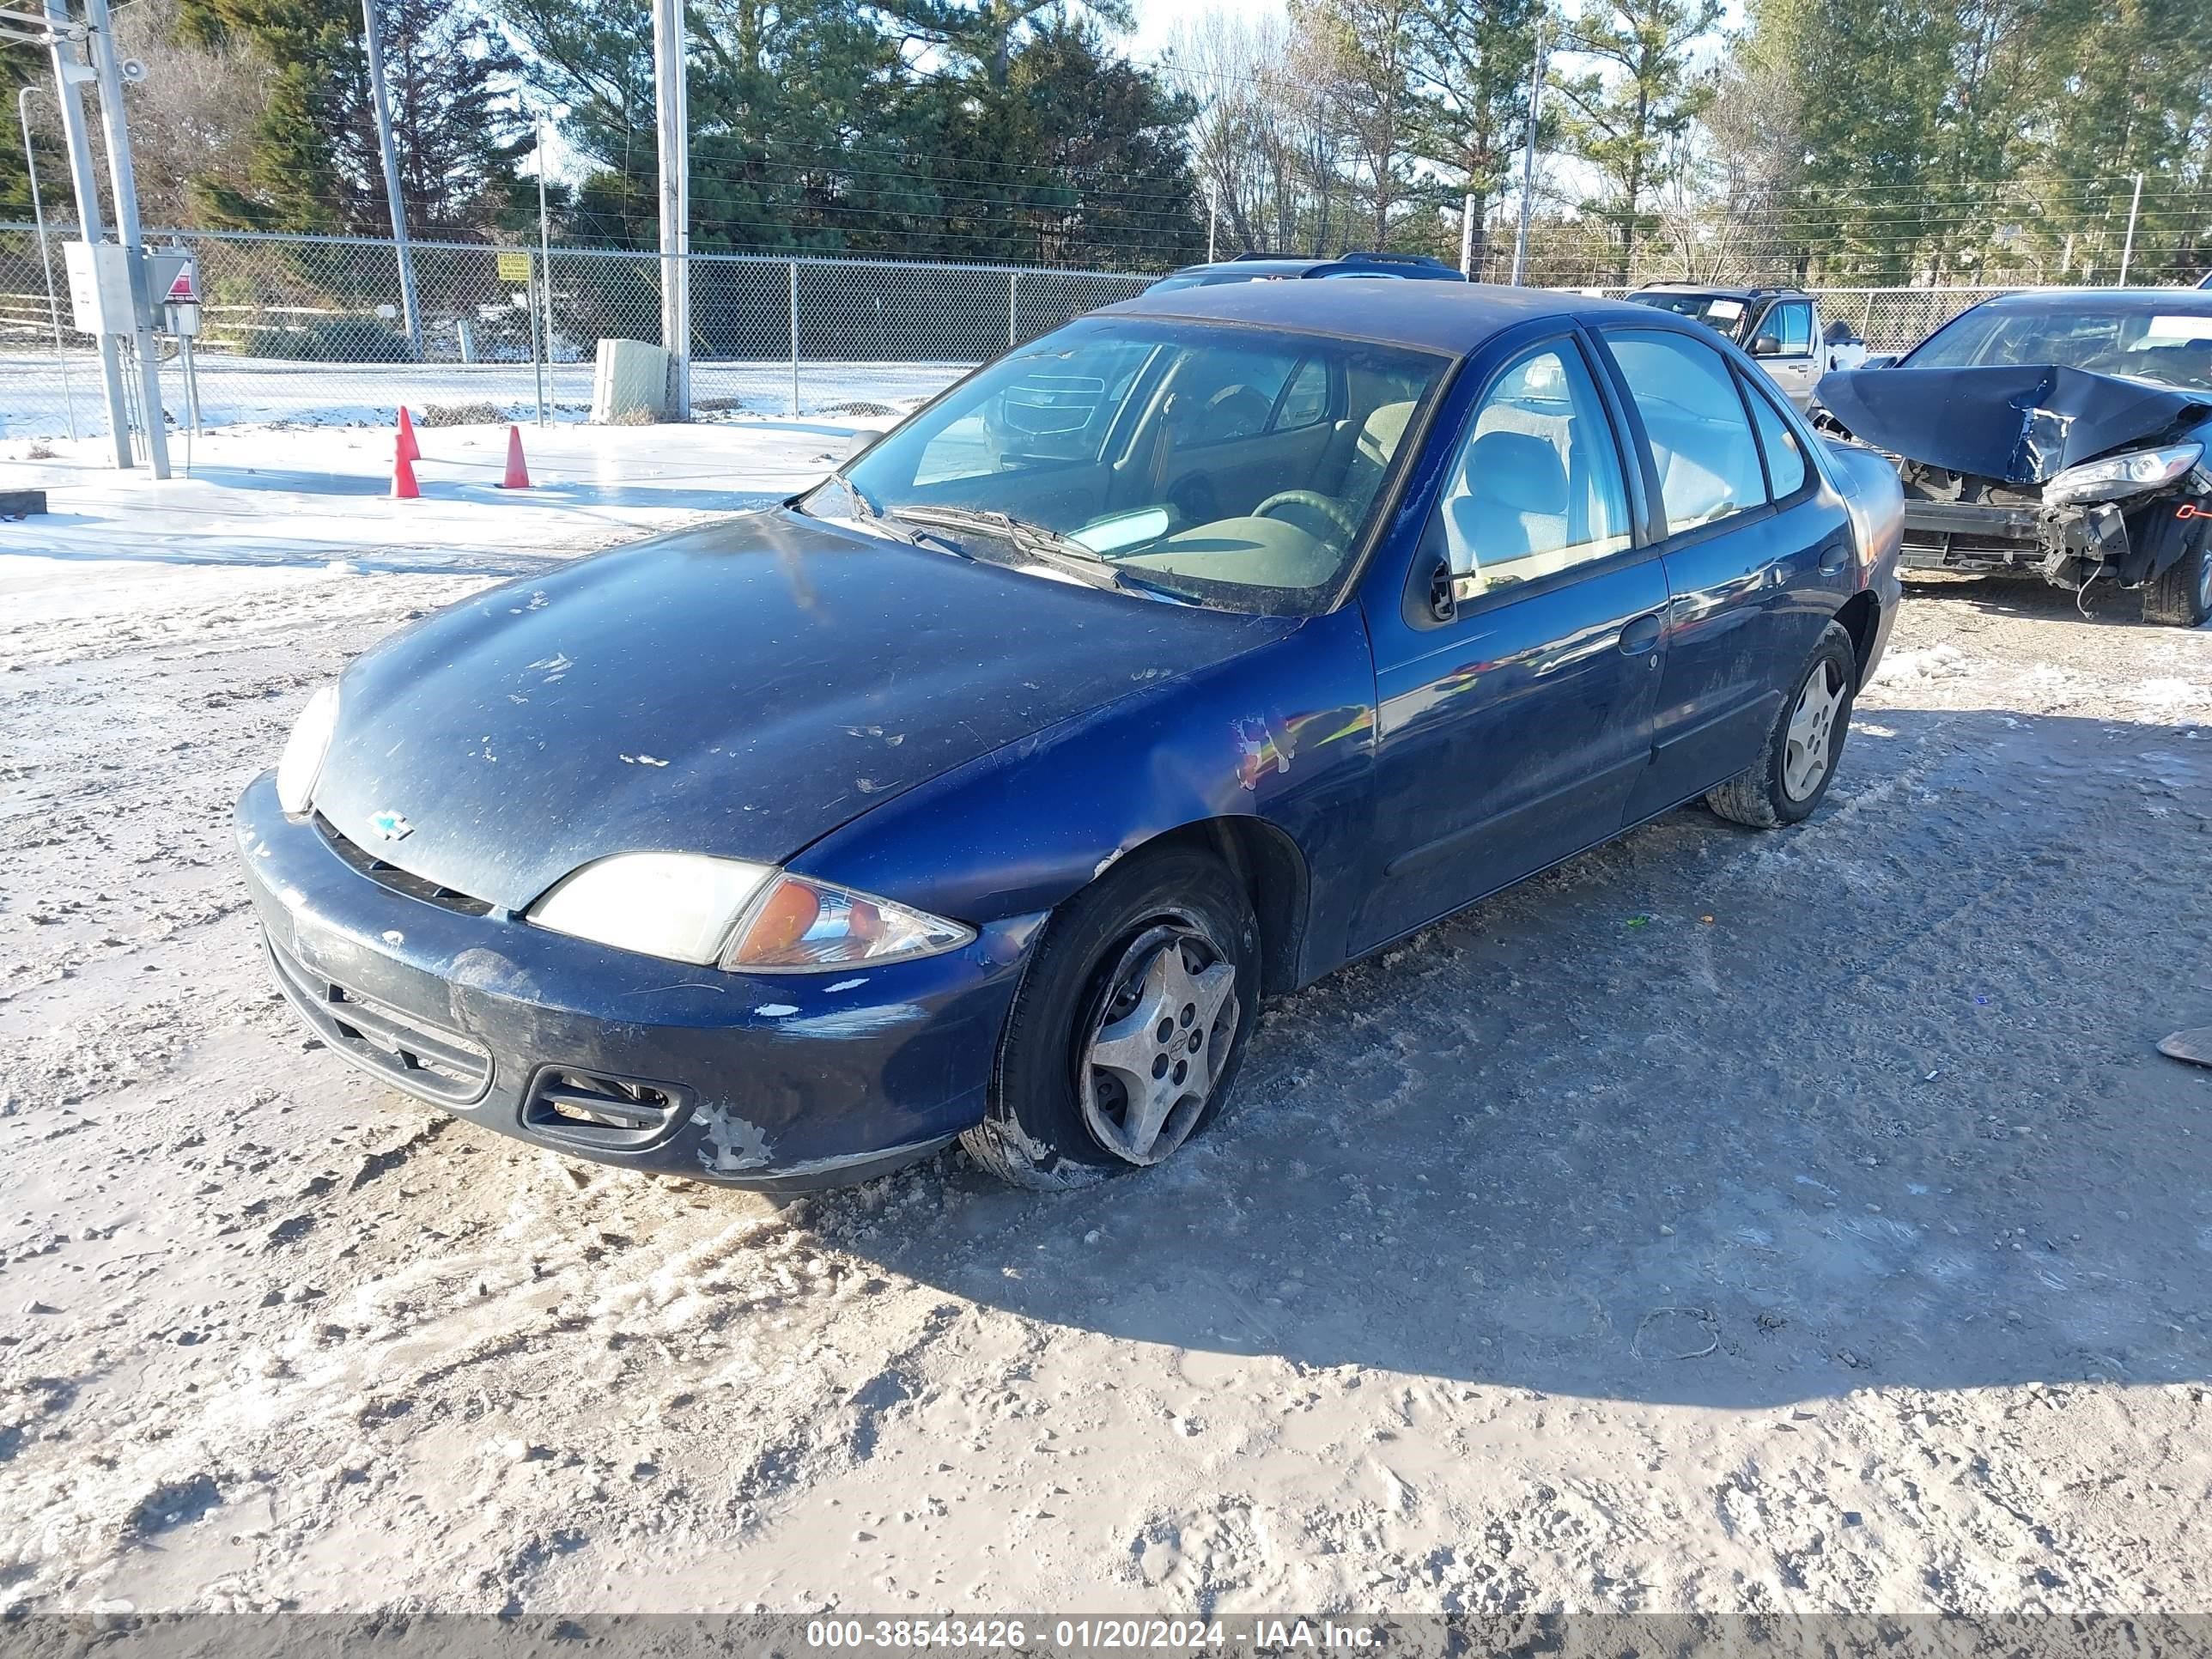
310	329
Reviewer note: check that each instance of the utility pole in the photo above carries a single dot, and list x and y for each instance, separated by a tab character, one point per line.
45	260
1466	236
1529	160
123	184
1212	216
545	249
373	36
2128	247
672	127
90	225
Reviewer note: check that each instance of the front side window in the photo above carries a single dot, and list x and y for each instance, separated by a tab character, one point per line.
1221	463
1701	441
1791	323
1536	487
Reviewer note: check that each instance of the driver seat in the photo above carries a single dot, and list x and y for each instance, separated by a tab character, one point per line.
1379	437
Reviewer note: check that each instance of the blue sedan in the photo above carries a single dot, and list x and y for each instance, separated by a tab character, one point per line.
982	793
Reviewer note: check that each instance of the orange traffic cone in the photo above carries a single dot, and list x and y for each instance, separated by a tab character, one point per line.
517	475
403	488
409	449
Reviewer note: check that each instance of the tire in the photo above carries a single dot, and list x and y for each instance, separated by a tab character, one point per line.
2182	592
1051	1120
1773	790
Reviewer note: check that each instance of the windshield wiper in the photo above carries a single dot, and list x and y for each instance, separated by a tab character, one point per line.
1046	547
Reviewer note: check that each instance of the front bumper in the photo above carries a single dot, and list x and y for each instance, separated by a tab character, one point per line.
2069	545
779	1083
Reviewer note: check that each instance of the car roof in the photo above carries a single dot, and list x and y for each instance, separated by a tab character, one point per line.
1452	317
1283	267
2129	299
1250	266
1717	291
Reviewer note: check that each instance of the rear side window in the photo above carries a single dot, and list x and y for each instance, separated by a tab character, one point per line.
1785	459
1701	439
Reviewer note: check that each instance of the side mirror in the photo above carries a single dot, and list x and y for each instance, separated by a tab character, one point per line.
1766	345
1885	360
858	445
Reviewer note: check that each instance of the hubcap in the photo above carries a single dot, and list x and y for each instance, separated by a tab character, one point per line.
1157	1044
1812	732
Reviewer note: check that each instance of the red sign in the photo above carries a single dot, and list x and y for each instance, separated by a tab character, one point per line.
180	291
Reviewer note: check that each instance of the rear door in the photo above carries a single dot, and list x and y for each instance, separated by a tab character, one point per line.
1757	557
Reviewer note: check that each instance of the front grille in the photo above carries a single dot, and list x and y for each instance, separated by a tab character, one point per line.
437	1064
586	1109
390	875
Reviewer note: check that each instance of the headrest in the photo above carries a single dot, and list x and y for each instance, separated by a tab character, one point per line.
1379	434
1518	472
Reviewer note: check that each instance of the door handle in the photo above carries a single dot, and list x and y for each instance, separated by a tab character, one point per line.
1640	636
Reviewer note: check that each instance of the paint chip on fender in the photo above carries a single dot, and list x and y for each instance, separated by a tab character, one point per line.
775	1009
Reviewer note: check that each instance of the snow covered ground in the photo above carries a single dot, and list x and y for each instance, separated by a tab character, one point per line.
38	395
1721	1222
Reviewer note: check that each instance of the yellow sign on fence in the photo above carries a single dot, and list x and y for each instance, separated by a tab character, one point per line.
514	267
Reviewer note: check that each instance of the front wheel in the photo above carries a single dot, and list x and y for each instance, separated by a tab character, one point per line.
1129	1027
2182	592
1793	772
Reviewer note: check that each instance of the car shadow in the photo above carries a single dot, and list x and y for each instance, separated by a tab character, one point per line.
2102	605
1706	1116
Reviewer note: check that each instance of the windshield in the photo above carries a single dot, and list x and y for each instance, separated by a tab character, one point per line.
1218	464
1723	311
2171	348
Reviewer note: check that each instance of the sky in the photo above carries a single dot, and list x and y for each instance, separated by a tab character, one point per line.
1157	19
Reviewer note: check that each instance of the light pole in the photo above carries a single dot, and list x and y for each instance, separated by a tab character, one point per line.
672	127
1528	161
123	184
45	259
372	37
63	38
545	242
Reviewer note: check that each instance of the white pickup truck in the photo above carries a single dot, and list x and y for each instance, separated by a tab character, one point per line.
1781	328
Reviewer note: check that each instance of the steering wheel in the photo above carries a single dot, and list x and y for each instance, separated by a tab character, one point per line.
1327	506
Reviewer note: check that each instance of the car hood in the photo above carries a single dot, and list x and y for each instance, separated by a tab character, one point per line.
740	690
2020	424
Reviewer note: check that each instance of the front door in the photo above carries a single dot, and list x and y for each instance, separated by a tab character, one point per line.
1515	699
1784	345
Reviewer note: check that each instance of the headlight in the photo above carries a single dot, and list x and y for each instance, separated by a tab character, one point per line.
302	762
2122	475
799	926
679	905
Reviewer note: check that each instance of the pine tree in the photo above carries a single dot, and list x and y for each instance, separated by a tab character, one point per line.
1627	117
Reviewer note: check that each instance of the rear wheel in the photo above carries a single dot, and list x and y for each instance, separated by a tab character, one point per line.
1793	772
1131	1020
2182	592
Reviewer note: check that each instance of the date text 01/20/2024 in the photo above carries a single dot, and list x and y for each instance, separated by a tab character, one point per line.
1146	1635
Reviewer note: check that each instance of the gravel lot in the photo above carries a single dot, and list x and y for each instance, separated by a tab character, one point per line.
1722	1222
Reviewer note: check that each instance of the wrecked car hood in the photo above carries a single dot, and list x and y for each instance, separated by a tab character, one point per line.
2020	424
740	690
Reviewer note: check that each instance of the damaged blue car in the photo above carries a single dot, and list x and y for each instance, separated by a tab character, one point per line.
982	792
